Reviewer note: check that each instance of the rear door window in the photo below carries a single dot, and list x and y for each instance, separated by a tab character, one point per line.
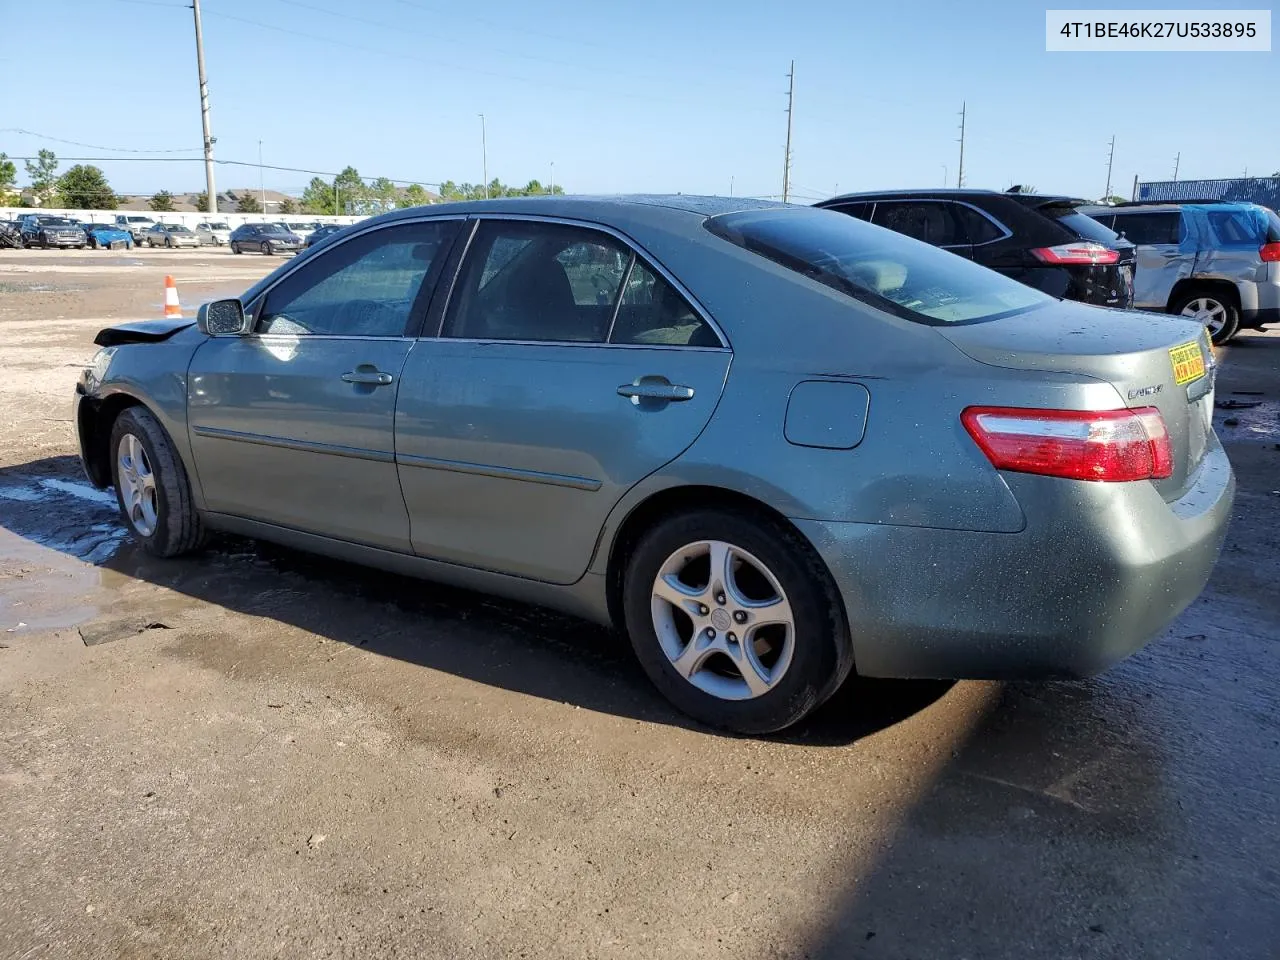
934	221
1148	228
979	227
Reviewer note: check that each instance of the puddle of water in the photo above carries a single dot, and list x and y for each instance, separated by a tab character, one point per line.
1249	423
42	588
82	490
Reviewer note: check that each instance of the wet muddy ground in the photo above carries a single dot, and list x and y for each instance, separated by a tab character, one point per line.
253	752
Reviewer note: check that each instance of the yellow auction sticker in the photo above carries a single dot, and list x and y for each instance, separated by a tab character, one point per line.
1188	362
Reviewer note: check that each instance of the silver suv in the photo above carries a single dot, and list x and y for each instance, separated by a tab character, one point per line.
1217	262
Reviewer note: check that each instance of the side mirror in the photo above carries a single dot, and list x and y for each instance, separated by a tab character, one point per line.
222	318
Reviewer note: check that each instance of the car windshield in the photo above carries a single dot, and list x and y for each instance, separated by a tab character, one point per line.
56	222
879	267
139	219
217	226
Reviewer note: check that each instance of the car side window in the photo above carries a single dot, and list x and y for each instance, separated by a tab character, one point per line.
1144	228
526	280
652	312
366	287
861	209
978	227
932	221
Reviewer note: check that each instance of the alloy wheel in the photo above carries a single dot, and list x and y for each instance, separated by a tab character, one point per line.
137	485
723	620
1212	313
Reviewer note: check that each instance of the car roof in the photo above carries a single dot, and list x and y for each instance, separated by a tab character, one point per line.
604	208
1027	199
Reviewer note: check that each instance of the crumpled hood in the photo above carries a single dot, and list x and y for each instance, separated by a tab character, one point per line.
141	331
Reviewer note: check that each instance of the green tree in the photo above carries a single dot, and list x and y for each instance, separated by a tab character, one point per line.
287	206
161	201
85	188
1113	199
248	203
8	175
351	191
414	195
201	201
318	197
44	175
382	194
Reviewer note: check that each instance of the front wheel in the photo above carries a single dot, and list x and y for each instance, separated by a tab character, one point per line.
267	249
235	247
735	619
152	489
1219	314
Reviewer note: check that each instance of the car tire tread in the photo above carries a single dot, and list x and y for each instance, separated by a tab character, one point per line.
179	528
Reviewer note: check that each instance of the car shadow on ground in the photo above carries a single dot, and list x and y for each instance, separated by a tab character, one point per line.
515	646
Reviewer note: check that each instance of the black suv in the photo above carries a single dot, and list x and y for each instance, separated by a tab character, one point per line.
1042	241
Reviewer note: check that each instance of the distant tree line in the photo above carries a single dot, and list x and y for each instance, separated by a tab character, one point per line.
86	187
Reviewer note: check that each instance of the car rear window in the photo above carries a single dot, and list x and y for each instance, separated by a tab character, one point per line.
1082	225
879	267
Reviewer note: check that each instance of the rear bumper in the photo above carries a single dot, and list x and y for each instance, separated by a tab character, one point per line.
1102	285
1263	307
1097	572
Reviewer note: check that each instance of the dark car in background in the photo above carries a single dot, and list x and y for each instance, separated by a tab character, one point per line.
1216	262
46	232
1042	241
266	238
321	232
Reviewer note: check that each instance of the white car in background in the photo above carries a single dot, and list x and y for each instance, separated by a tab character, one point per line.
216	234
136	224
301	228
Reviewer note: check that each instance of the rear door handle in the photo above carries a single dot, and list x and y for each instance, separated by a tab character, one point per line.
655	389
375	378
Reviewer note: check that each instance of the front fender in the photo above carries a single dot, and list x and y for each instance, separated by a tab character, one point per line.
151	374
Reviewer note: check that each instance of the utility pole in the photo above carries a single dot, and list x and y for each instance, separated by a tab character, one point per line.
212	197
786	160
960	176
1176	161
553	178
484	157
1111	155
945	174
731	186
262	193
1134	195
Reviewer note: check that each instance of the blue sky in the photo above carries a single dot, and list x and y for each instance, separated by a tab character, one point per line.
667	95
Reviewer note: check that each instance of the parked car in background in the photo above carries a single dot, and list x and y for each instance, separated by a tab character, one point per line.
1216	262
321	232
172	235
1042	241
136	223
11	235
44	231
215	234
949	474
105	236
299	228
267	238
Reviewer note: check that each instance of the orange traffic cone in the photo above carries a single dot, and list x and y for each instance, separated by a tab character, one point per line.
172	308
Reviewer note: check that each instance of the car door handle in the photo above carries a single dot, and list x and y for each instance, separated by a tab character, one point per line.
647	389
375	378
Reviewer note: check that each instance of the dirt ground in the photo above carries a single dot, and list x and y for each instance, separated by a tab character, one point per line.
255	753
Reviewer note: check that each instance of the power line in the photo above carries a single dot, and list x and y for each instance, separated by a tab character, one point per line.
231	163
91	146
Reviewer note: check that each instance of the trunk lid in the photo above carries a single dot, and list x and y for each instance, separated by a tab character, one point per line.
1151	360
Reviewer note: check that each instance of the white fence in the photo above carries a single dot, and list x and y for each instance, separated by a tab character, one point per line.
233	220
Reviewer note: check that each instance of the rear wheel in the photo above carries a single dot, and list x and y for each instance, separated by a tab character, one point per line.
1219	314
152	488
735	619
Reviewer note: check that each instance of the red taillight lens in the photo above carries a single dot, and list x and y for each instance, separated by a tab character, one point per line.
1108	445
1270	253
1084	252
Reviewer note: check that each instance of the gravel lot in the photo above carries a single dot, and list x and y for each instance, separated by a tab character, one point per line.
255	753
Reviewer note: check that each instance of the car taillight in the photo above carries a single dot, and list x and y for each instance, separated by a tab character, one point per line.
1107	445
1083	252
1270	252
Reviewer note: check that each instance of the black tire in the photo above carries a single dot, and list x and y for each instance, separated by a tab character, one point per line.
168	243
1230	325
93	244
822	656
267	249
235	246
178	528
